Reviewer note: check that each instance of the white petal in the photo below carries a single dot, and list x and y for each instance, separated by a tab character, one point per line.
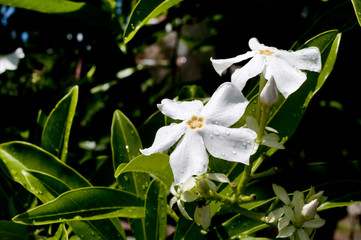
183	210
281	194
219	177
19	53
269	94
226	106
172	201
298	203
222	64
254	67
166	137
232	144
180	110
288	78
189	158
286	232
306	59
283	222
254	44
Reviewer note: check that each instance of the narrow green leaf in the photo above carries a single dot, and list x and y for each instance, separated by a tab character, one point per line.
125	143
56	132
156	211
91	203
357	6
329	205
125	140
156	164
142	12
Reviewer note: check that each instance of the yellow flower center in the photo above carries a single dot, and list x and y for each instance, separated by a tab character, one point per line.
195	122
266	52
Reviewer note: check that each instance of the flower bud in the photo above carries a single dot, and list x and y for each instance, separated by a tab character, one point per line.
309	210
269	94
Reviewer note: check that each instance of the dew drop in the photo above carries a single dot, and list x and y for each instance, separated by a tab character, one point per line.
126	178
223	154
127	147
234	152
13	172
211	136
182	171
227	132
143	187
216	133
131	132
77	217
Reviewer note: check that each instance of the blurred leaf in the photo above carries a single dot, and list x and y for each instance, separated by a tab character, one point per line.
191	92
143	11
156	211
329	205
56	132
150	127
13	231
92	203
156	164
240	227
75	9
357	6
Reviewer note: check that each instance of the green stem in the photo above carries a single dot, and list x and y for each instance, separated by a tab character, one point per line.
262	125
246	176
262	83
172	214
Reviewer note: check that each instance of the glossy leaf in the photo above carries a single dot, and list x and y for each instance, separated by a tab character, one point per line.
156	164
40	172
156	211
125	143
92	203
357	6
143	11
56	132
61	234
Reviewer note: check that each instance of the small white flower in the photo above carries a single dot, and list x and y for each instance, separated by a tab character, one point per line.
11	61
283	65
204	127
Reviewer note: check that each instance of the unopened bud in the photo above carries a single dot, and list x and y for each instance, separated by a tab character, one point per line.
269	94
309	210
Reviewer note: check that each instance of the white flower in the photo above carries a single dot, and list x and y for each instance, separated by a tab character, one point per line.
283	65
202	216
204	127
269	94
298	218
11	61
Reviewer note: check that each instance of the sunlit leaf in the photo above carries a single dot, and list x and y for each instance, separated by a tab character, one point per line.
143	11
156	164
357	6
92	203
55	137
329	205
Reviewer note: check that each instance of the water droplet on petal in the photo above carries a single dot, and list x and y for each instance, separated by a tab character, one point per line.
211	136
216	133
234	152
223	154
227	132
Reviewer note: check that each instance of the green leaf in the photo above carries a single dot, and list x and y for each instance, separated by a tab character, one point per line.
329	205
45	176
156	164
357	6
91	203
156	211
125	140
56	132
142	12
19	157
75	9
13	231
